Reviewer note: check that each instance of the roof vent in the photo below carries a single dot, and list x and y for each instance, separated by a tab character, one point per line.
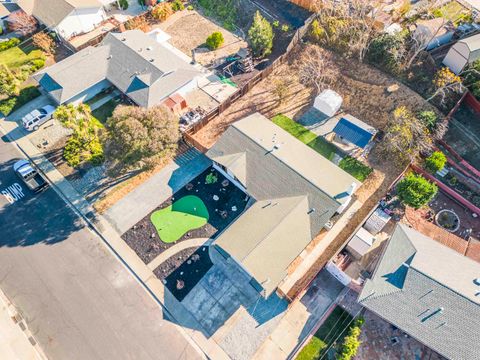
152	60
149	48
476	281
124	39
312	210
276	147
109	57
140	50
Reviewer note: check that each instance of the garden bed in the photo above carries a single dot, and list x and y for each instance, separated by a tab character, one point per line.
181	272
144	238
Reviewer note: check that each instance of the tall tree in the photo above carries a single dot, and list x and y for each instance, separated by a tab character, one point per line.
21	22
141	138
260	36
317	68
9	83
44	42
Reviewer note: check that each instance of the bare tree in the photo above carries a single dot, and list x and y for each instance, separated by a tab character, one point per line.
446	83
352	22
316	68
21	22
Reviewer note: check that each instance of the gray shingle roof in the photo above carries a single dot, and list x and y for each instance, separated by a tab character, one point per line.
290	180
427	290
52	12
135	63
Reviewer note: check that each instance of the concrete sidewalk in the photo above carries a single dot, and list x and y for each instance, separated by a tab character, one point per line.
15	343
113	240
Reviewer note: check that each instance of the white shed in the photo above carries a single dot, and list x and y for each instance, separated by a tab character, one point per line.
464	52
328	102
361	243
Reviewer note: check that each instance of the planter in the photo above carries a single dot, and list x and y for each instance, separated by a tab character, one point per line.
448	220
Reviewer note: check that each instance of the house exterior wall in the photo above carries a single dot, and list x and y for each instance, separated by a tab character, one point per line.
80	21
90	92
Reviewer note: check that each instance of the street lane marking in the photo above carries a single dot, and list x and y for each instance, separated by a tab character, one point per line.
13	193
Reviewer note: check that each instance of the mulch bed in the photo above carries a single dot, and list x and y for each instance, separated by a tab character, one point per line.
143	237
181	272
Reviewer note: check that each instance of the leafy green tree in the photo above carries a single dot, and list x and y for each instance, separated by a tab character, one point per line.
387	51
9	83
435	162
260	36
140	138
415	191
177	5
123	4
215	40
84	145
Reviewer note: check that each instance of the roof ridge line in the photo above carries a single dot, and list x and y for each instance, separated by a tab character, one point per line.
290	167
278	222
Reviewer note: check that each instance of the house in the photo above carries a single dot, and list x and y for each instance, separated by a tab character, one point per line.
463	53
147	71
294	192
66	17
429	291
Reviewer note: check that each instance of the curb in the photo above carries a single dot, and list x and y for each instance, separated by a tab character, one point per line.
90	220
18	319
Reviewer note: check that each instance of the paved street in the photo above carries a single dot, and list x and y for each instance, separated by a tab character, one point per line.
78	300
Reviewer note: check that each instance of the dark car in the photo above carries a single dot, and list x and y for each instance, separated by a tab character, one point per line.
31	178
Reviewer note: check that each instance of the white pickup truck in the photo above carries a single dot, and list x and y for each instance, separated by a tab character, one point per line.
29	175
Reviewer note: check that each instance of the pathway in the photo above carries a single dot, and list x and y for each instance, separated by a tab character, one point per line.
175	249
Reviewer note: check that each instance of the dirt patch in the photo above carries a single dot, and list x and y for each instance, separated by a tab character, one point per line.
181	272
189	30
143	237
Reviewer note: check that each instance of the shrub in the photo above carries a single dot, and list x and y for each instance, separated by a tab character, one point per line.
177	5
211	179
355	168
44	42
260	36
215	40
224	10
351	342
123	4
190	7
9	83
13	103
37	64
386	52
415	191
5	45
285	28
435	162
162	11
428	118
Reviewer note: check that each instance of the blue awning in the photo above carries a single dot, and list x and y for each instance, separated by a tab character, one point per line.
352	133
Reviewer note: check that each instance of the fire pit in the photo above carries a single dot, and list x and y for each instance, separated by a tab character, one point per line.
448	220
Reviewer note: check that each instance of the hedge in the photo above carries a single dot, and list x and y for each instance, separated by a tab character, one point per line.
5	45
11	104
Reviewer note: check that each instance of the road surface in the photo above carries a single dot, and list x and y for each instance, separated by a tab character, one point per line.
77	298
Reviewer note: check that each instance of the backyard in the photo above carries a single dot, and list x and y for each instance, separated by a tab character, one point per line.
200	210
18	56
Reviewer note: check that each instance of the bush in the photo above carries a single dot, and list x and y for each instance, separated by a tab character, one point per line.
162	11
215	40
44	42
355	168
351	342
177	5
435	162
37	64
123	4
224	10
428	118
5	45
13	103
415	191
386	51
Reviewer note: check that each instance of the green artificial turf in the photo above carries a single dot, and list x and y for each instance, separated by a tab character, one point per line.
352	166
183	215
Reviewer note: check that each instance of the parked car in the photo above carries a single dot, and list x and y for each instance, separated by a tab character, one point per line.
31	178
37	117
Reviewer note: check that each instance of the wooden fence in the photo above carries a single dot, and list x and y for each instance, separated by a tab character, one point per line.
297	37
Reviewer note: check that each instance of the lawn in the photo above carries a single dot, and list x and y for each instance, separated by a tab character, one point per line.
13	103
332	330
185	214
105	111
16	57
352	166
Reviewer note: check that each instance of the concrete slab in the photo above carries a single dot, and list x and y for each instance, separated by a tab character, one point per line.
199	301
215	318
216	283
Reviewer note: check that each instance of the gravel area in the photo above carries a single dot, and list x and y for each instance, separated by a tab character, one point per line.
143	237
181	272
49	135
